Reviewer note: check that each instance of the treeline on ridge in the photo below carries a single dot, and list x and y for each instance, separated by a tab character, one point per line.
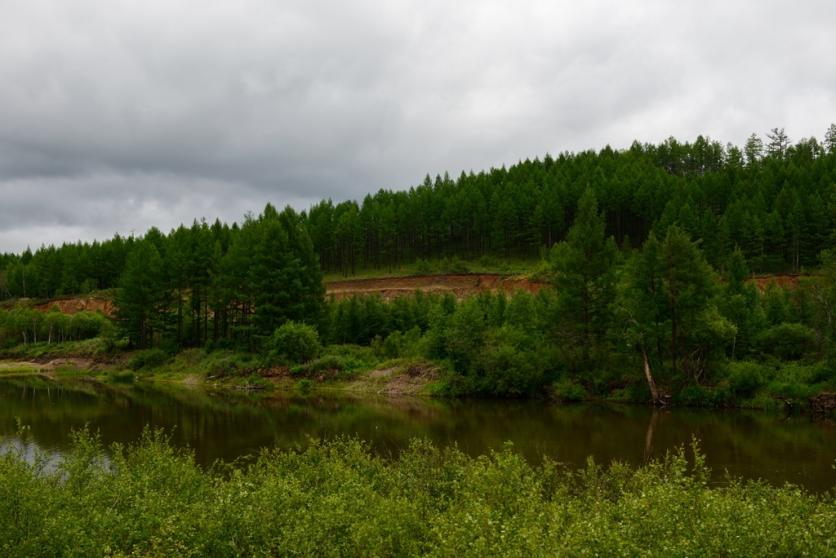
619	307
776	202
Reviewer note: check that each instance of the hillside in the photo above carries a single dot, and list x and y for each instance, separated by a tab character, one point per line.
460	285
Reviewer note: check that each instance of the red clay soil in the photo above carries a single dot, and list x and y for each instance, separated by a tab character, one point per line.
786	280
80	304
460	285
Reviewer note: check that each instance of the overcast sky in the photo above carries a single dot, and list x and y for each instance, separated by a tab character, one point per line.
116	115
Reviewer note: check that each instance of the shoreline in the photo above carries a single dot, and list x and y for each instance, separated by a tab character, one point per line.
408	379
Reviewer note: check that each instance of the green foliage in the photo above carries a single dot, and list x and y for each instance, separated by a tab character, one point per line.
568	390
150	499
511	365
746	378
339	362
776	209
149	358
293	343
399	344
122	377
798	381
303	386
583	268
423	267
694	395
24	325
787	341
89	348
141	299
737	210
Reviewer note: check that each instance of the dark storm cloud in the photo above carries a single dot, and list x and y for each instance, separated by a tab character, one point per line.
118	115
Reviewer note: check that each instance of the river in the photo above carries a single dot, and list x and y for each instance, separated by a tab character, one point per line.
225	426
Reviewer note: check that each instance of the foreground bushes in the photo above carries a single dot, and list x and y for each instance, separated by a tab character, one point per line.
336	499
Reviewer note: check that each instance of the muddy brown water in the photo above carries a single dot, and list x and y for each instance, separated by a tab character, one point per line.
226	426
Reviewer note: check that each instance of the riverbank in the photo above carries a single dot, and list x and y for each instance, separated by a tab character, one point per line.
345	373
771	386
351	369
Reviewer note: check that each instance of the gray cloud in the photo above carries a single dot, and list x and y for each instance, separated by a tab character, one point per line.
120	115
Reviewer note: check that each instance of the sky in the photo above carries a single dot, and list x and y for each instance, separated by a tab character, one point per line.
118	115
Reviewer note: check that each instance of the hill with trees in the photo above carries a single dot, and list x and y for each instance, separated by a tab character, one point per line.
648	249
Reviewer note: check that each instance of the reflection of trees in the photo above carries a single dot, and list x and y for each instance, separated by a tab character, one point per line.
648	437
226	425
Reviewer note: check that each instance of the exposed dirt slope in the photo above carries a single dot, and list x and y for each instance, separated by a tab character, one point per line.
72	305
785	280
460	285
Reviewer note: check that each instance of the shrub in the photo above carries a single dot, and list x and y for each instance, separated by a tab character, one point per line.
510	370
150	499
746	378
423	267
294	342
568	390
149	358
399	344
455	265
787	341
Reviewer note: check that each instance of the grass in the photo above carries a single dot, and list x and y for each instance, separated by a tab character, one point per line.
14	368
484	264
338	499
88	348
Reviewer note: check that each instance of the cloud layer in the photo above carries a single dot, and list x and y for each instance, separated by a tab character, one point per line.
120	115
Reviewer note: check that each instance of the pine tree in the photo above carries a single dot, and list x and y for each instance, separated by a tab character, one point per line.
778	143
140	299
584	276
688	284
753	150
830	139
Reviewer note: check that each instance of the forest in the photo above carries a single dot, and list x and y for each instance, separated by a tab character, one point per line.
649	250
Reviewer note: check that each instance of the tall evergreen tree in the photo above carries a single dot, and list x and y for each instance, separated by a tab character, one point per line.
583	267
140	298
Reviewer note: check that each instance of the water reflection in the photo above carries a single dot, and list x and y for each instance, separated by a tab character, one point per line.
226	426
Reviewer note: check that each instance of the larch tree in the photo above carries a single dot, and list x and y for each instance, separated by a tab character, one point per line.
583	267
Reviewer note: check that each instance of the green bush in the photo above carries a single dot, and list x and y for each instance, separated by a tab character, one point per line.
399	344
787	341
746	378
423	267
511	370
294	342
454	265
149	358
346	360
568	390
796	381
150	499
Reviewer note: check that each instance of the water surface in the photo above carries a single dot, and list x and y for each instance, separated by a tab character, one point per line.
226	426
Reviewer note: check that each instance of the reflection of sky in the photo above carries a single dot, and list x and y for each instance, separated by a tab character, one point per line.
227	426
30	452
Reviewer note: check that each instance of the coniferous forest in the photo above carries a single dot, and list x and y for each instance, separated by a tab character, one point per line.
470	279
650	251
